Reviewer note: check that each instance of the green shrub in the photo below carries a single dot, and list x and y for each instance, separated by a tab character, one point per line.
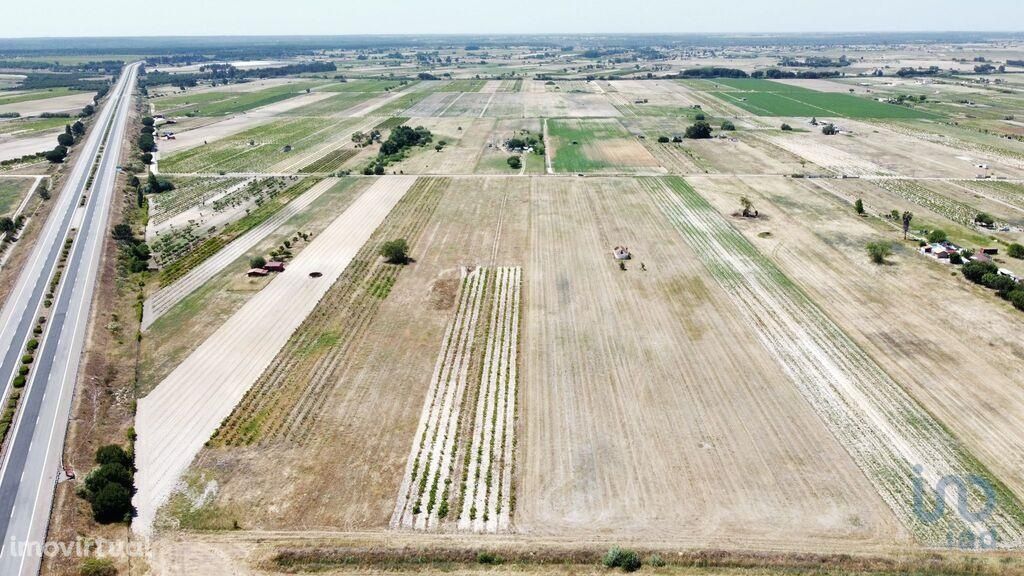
113	454
616	557
1002	284
786	127
32	344
975	271
26	359
97	567
1015	250
112	503
18	382
395	251
257	262
1017	298
514	162
728	126
936	236
879	251
489	558
663	139
656	561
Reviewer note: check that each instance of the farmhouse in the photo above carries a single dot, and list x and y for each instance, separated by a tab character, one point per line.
274	266
256	273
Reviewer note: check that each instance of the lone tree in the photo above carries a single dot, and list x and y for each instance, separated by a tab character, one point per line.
515	163
257	262
879	251
748	207
1015	250
395	251
859	206
936	236
907	217
698	130
728	126
984	219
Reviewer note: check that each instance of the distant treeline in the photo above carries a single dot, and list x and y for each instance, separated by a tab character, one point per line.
94	67
773	73
815	62
227	73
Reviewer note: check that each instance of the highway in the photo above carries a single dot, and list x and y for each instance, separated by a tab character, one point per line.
33	453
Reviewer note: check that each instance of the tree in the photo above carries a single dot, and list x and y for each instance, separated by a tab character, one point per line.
65	139
663	139
89	110
515	163
907	217
936	236
121	233
879	251
395	251
148	121
728	126
747	206
57	155
146	142
7	225
699	117
859	206
829	129
106	474
786	127
146	158
975	271
257	262
112	503
78	128
984	219
113	454
698	130
1001	284
1015	250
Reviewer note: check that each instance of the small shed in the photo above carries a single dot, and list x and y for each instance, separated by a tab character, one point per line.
256	273
621	253
274	266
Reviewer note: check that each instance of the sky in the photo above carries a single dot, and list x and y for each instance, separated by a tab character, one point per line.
339	17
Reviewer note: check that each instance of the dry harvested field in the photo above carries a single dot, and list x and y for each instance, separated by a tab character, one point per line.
739	384
70	103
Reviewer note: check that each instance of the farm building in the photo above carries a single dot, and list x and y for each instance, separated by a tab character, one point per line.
274	266
621	253
256	273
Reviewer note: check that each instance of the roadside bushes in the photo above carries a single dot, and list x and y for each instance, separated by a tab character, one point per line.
616	557
134	253
108	487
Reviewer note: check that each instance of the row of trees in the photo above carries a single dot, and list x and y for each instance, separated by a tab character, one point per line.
72	133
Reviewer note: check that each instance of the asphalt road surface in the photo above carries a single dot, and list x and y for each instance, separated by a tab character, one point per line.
32	457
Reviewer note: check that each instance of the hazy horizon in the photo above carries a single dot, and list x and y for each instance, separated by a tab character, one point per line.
536	17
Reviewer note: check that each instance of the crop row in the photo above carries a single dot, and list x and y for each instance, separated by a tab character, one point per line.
467	427
189	192
199	250
285	402
942	205
888	434
432	457
330	162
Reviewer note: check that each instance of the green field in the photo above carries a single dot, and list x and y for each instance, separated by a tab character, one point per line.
257	149
12	190
458	86
569	140
225	103
27	126
36	95
767	98
366	85
332	105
